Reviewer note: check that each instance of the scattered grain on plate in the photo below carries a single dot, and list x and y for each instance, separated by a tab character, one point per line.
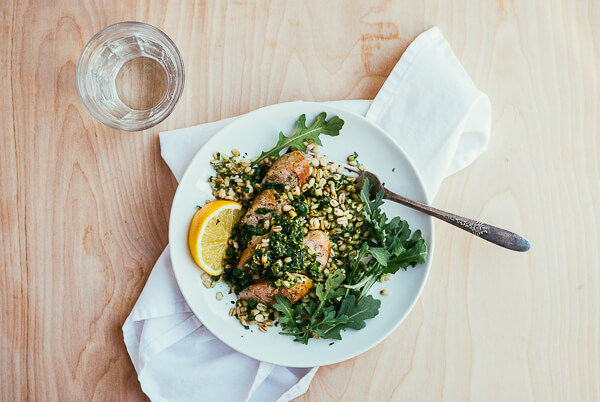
219	296
384	292
342	221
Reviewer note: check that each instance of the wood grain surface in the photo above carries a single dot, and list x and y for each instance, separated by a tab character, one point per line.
84	209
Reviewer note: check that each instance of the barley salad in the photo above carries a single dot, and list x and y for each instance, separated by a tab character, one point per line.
310	243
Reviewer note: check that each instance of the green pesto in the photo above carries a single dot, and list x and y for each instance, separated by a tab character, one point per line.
300	206
269	185
288	243
237	279
263	211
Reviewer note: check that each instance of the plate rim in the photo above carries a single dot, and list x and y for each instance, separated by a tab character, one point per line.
427	200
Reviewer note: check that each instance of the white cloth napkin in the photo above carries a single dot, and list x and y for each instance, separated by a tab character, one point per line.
428	104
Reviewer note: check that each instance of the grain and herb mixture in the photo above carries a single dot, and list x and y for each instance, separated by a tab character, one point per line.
310	244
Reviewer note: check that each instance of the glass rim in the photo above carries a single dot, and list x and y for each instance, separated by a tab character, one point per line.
84	58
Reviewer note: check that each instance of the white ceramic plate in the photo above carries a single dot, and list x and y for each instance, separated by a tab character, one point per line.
253	133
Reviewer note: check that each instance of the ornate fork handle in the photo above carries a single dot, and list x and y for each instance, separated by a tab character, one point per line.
490	233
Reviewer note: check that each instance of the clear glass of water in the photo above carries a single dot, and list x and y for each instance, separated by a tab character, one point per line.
130	76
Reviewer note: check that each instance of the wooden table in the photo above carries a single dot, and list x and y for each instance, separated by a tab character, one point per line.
84	209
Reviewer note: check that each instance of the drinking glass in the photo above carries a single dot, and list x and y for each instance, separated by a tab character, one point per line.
130	76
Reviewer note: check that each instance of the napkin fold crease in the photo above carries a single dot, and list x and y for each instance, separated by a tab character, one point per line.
428	104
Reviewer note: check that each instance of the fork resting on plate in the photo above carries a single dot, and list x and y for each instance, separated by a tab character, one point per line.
496	235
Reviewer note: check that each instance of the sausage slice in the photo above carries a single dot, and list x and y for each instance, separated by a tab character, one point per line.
292	168
318	241
263	207
249	251
263	292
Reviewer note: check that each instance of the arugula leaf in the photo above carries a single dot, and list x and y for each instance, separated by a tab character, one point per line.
380	254
332	284
332	328
311	307
283	305
396	246
329	127
351	314
414	253
371	207
397	228
358	312
358	268
289	320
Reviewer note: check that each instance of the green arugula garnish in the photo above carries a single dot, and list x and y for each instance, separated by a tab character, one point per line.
393	246
325	318
330	127
351	314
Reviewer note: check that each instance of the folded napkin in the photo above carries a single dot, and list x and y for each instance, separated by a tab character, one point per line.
428	104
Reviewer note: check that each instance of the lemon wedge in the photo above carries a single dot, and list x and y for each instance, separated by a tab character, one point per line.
209	231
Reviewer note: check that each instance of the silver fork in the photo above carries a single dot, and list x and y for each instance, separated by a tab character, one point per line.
496	235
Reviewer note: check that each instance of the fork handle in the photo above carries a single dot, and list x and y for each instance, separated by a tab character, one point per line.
493	234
